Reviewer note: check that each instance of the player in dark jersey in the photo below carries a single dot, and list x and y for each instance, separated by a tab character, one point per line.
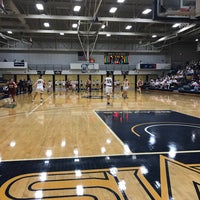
12	89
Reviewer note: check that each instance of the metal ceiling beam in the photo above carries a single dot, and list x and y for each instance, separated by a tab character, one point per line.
174	35
84	33
6	37
95	15
77	49
179	33
2	7
97	32
15	10
11	24
81	43
83	18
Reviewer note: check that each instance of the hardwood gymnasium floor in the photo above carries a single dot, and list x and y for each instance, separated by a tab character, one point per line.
73	146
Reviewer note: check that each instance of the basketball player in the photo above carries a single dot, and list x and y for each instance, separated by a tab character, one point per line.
39	88
125	88
108	83
49	86
88	85
12	89
139	85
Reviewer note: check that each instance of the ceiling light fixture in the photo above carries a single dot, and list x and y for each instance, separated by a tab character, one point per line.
186	28
128	27
74	25
9	32
154	36
162	39
113	10
77	8
62	34
39	6
46	24
120	1
147	11
103	26
108	35
176	25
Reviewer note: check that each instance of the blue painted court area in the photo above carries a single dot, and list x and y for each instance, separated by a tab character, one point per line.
162	144
154	131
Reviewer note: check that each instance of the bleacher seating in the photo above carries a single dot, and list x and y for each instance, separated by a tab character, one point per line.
3	92
184	80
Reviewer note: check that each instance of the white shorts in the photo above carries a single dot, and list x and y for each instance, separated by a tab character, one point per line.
39	90
125	88
108	90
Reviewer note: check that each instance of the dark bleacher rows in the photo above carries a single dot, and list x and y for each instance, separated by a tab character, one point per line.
185	79
2	88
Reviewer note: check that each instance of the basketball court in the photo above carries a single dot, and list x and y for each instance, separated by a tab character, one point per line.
72	147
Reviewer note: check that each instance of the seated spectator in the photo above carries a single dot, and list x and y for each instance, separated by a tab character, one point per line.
195	85
179	74
189	71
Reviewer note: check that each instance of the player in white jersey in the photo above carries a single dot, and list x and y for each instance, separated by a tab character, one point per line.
125	88
108	86
39	88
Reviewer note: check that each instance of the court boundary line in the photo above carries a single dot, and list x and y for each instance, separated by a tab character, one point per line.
120	141
34	109
106	155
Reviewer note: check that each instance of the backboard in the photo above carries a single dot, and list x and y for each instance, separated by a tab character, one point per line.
177	9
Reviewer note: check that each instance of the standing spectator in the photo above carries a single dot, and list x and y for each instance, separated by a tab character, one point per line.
24	86
20	85
29	85
97	84
49	86
81	84
125	88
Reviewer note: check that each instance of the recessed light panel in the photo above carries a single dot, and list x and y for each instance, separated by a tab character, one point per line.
77	8
113	10
176	25
128	27
147	11
74	25
39	6
120	1
46	24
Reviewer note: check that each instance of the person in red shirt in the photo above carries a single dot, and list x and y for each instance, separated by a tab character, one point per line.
12	89
88	85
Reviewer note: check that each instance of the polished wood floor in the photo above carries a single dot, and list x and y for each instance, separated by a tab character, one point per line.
66	128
